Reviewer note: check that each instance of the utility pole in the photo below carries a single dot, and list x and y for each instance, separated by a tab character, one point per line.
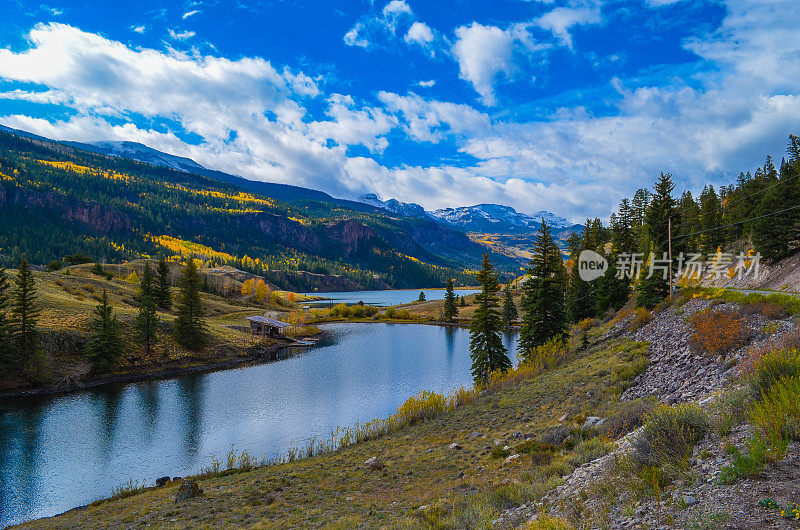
669	239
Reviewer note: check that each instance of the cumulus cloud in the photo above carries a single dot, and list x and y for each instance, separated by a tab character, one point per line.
419	33
251	117
483	53
427	83
190	14
138	29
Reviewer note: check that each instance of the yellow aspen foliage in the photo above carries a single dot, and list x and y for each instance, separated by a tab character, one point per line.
132	278
262	291
247	287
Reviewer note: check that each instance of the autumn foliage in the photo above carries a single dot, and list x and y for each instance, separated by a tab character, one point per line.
718	332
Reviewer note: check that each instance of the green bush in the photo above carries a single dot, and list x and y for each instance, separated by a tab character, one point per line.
771	368
777	414
669	434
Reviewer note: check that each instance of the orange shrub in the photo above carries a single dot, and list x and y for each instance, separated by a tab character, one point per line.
718	332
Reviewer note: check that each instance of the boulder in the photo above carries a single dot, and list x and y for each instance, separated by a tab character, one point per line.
374	463
161	482
188	490
511	458
454	446
591	421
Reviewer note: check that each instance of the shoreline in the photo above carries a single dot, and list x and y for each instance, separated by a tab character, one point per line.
264	355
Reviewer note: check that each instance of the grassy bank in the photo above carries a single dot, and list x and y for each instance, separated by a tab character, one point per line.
67	298
423	479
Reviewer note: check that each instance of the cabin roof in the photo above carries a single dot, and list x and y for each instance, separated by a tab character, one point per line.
269	321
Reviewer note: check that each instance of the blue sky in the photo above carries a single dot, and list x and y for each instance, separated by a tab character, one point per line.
563	105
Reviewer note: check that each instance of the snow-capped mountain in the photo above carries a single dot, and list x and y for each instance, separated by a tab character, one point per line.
496	218
487	218
406	209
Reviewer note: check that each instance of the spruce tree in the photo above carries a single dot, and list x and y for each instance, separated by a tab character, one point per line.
777	236
163	294
146	324
6	329
421	296
23	316
486	346
190	327
662	208
543	295
147	287
509	307
611	292
450	309
105	346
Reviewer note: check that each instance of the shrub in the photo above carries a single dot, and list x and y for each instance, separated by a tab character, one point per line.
545	522
586	324
718	332
777	414
548	355
669	434
745	465
630	417
730	409
771	368
421	407
556	435
641	316
54	265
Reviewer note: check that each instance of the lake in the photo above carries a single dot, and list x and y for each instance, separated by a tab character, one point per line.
382	298
57	453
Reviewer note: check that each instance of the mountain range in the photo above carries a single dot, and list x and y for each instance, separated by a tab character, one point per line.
119	200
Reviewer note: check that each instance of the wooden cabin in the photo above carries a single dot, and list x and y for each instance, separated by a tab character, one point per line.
261	325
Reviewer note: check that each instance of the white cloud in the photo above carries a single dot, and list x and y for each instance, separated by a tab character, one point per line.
252	121
353	38
562	19
138	29
426	84
419	33
190	14
483	53
183	35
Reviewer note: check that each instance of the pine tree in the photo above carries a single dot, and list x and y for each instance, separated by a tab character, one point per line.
105	345
710	219
190	327
163	294
146	322
6	329
580	294
777	236
421	296
23	316
510	313
450	309
486	347
543	295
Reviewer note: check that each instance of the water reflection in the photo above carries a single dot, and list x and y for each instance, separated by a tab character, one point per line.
58	453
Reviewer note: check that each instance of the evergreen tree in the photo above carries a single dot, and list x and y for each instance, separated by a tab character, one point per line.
662	208
710	219
611	292
23	316
777	236
146	324
450	309
463	301
190	327
163	294
623	239
105	345
6	329
544	313
421	296
147	287
580	294
486	347
510	313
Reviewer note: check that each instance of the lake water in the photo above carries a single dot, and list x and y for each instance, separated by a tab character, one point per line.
382	298
61	452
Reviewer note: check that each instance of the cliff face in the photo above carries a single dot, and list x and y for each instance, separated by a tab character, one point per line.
96	216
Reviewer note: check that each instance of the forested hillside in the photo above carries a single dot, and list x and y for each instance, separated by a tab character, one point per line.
57	200
758	214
